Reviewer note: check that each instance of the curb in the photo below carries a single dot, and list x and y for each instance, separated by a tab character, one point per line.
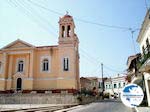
72	108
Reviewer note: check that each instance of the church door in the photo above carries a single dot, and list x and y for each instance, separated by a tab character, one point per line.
19	84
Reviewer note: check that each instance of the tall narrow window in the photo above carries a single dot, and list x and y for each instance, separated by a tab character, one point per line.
99	84
66	64
20	66
63	31
68	31
106	87
45	65
119	85
124	84
109	86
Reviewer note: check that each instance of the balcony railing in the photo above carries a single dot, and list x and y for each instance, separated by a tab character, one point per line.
144	57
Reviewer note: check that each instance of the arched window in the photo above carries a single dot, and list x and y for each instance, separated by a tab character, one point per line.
63	31
20	66
124	84
68	31
45	64
115	85
106	87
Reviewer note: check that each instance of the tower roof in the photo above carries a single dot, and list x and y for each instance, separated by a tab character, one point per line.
67	16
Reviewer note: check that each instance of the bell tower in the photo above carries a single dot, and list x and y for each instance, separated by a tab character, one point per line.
66	30
68	53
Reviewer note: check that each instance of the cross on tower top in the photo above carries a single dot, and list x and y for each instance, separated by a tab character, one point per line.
67	12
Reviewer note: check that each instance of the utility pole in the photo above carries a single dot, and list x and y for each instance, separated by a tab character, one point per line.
132	32
102	81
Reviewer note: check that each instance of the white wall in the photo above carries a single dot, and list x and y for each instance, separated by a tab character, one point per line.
144	37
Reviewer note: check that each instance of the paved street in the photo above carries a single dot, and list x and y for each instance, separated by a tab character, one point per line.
103	106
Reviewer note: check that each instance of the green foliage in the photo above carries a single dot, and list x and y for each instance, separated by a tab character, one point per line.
86	92
143	60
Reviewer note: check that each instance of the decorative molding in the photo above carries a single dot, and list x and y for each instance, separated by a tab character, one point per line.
27	79
2	79
1	67
59	78
9	79
17	41
20	52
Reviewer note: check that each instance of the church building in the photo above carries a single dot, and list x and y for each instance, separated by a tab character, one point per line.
26	68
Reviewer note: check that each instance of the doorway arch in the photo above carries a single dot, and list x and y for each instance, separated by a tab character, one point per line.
19	84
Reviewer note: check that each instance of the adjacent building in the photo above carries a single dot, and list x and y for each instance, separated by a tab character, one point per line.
133	74
144	43
115	84
88	83
25	67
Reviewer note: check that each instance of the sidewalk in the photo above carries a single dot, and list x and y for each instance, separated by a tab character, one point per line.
143	109
11	107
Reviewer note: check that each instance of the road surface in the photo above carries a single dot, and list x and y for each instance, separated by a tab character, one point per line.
103	106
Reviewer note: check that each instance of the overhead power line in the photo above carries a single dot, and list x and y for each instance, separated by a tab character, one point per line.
111	69
132	30
31	14
81	20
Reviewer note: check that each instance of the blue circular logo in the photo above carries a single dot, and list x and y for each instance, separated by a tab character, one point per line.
132	95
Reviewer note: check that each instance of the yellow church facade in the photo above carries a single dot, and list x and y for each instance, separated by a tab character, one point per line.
25	67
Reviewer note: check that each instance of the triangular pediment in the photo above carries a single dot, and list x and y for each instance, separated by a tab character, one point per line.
18	44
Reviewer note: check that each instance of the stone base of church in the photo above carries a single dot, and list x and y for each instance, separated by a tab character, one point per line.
38	98
62	91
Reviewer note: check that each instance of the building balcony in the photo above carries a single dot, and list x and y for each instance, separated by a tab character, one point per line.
144	63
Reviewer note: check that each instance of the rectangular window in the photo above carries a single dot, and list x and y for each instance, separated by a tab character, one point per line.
109	86
100	85
119	85
66	64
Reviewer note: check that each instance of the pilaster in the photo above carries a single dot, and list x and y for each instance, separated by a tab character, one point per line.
5	65
31	65
146	79
65	31
10	67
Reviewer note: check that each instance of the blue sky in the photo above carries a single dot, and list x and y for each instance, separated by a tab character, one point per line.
39	26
